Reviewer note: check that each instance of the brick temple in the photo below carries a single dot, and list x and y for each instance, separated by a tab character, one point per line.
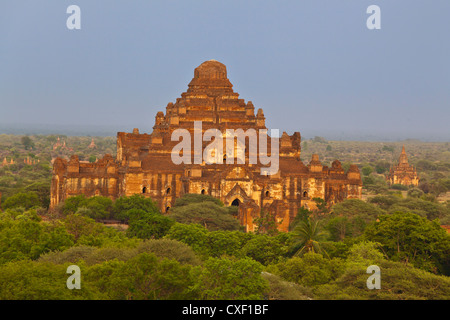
143	162
403	173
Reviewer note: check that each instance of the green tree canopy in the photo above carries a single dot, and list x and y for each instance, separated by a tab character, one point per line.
26	200
28	239
312	269
366	170
209	214
143	277
190	198
350	217
27	142
410	238
123	204
307	236
231	279
194	235
145	225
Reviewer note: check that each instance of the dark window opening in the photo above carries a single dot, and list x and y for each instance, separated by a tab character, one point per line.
167	209
267	193
235	202
144	190
203	191
168	191
305	194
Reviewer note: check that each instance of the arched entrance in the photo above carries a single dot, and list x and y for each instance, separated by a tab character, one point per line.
236	202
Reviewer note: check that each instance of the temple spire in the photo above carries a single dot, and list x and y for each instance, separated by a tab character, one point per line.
403	157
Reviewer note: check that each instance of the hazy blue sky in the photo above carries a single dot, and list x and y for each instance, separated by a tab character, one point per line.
313	66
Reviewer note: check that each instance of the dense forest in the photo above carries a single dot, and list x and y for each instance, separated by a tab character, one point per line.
199	251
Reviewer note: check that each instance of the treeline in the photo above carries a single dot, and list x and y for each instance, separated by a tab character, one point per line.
204	254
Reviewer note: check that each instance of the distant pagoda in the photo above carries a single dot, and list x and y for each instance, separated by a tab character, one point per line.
403	173
92	145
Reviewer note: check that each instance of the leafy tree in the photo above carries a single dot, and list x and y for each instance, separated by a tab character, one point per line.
398	282
366	170
97	207
425	208
382	166
388	148
228	243
71	255
231	279
339	249
27	143
123	204
72	204
415	193
79	226
338	228
399	187
384	201
311	270
280	289
352	207
191	198
365	253
302	214
42	190
29	280
149	226
350	217
425	165
27	239
88	255
101	207
410	238
307	236
170	249
375	183
194	235
208	214
20	213
25	200
143	277
264	249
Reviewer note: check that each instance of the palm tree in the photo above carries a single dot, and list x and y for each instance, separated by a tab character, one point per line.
307	234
